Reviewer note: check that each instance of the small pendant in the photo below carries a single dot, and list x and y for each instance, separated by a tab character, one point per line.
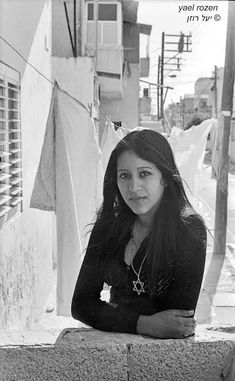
138	286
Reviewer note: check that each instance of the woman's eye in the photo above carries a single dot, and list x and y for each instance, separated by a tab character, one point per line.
123	175
145	173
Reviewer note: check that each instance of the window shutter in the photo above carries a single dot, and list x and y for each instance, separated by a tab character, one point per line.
10	144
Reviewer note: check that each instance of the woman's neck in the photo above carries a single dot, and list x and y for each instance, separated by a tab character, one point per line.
143	222
142	227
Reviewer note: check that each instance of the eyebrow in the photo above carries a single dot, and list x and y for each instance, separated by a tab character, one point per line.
145	167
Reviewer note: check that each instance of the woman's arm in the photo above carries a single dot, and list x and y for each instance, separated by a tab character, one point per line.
169	324
86	304
177	321
189	266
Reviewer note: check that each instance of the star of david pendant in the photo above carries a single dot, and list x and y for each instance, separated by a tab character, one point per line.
138	286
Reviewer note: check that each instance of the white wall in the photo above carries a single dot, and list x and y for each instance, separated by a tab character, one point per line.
76	76
26	242
126	109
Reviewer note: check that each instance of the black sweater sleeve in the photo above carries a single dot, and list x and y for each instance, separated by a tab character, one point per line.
86	303
188	271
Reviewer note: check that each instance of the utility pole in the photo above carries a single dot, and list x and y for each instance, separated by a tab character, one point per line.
179	43
158	88
226	107
162	80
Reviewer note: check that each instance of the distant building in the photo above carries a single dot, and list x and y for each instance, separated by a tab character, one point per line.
186	109
145	102
118	59
203	99
173	116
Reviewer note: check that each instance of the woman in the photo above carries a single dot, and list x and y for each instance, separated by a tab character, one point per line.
148	244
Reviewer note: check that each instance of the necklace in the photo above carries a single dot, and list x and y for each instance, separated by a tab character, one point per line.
138	286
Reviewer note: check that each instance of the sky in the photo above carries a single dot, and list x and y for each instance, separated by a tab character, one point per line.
208	39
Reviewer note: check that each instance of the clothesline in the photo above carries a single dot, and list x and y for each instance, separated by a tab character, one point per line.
107	119
88	108
38	71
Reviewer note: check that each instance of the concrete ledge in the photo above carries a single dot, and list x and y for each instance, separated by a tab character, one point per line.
90	355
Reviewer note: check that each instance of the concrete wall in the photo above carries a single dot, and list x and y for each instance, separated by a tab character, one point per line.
127	108
89	355
26	242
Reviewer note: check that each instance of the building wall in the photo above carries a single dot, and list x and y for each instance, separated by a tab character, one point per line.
127	108
61	45
145	105
203	100
131	41
26	242
76	76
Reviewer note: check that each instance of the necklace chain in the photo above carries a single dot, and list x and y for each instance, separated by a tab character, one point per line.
138	285
132	264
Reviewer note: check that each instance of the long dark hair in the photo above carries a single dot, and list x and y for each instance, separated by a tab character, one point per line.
117	217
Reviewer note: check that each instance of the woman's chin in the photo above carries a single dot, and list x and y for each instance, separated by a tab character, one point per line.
139	210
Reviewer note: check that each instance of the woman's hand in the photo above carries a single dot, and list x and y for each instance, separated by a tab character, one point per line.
169	324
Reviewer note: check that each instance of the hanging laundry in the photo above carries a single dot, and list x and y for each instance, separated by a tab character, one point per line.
138	128
189	149
109	141
69	181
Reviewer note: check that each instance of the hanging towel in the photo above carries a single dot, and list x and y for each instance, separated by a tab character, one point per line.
70	166
109	141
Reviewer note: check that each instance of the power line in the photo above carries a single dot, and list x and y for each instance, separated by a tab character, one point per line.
38	71
24	59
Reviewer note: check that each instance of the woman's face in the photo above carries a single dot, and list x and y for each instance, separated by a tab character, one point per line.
140	183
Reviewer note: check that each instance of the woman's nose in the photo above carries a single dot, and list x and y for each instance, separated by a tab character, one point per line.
134	185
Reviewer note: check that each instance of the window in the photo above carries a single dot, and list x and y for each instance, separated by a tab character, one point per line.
109	24
10	144
145	92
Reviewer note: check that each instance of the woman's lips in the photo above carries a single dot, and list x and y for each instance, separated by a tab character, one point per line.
137	198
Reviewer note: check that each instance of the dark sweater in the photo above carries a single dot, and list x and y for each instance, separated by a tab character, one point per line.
180	291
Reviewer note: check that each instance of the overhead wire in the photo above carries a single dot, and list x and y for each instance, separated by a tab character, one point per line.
40	73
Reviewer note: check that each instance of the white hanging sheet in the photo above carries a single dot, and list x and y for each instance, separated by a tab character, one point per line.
189	149
69	180
109	141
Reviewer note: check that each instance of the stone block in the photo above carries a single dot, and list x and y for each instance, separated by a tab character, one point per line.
76	357
173	360
84	354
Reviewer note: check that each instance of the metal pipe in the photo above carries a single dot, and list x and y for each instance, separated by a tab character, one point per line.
69	29
75	26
